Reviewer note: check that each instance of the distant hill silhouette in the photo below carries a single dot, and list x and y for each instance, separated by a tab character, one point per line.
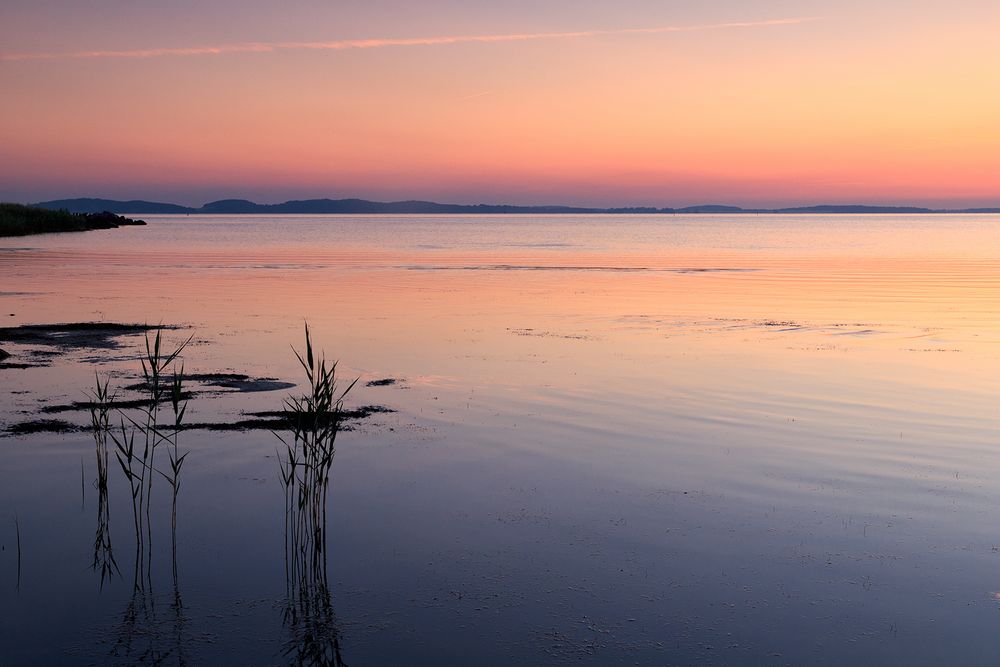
88	205
715	208
364	206
229	206
855	208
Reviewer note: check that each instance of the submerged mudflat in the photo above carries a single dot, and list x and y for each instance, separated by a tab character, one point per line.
639	439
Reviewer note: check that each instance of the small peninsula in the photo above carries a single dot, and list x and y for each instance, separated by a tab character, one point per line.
20	220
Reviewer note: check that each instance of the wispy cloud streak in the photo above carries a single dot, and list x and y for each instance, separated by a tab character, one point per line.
348	44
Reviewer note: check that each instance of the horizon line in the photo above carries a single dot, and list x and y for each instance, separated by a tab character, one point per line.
582	208
372	43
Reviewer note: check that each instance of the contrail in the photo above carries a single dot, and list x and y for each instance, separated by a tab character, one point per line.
345	44
475	95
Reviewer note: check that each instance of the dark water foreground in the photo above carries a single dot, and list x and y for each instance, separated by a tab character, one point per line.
577	441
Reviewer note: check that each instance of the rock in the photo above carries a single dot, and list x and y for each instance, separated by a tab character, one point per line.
4	354
108	220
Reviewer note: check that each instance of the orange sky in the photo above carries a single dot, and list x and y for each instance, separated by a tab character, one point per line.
649	105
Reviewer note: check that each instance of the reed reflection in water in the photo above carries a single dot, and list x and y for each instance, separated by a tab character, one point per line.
104	561
144	635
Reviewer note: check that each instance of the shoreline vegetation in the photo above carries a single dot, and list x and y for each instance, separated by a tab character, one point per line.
364	206
21	220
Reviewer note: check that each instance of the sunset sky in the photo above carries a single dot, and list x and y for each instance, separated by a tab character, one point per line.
665	103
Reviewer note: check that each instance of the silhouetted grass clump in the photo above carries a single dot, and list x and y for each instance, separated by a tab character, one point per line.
136	444
136	438
314	419
20	220
144	426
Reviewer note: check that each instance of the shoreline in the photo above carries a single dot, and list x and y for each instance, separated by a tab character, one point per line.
20	220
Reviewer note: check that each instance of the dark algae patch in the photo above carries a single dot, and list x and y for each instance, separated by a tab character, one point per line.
236	381
254	421
4	356
75	335
239	382
282	421
43	426
4	363
384	382
242	383
132	404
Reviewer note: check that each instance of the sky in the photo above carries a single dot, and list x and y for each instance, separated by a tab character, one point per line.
586	102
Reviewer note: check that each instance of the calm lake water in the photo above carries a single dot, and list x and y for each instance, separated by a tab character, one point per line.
760	440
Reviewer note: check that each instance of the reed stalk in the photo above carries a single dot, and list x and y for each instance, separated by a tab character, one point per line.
138	463
304	468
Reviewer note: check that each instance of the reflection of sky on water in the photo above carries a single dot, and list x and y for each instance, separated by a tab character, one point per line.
796	458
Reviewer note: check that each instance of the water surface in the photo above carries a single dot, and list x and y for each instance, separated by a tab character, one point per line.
642	439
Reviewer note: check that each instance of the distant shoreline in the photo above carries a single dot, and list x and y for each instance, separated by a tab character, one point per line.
364	206
20	220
